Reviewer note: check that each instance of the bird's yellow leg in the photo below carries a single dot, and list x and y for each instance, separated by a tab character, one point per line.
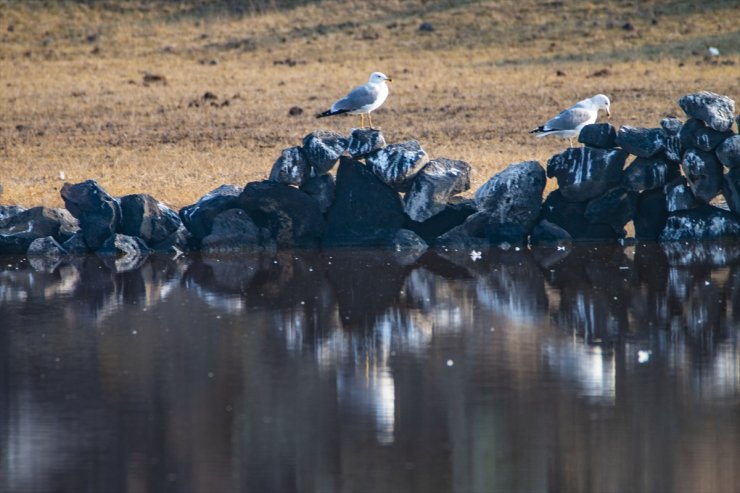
362	120
370	118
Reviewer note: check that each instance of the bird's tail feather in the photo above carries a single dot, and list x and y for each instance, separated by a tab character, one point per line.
538	130
330	113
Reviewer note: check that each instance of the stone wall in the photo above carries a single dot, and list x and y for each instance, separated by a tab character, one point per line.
678	181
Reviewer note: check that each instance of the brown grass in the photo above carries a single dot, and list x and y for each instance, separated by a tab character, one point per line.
74	98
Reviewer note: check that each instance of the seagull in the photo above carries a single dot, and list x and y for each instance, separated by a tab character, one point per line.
568	123
362	99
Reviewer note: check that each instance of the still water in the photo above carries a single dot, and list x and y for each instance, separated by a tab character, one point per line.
601	369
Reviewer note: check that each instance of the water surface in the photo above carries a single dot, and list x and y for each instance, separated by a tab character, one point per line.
611	369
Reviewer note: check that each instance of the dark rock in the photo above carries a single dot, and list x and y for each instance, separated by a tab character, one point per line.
546	233
99	214
408	246
679	196
671	125
571	216
362	206
707	139
506	233
397	164
642	142
291	168
452	215
702	223
363	141
292	216
433	186
703	172
233	230
673	149
45	254
18	231
198	217
426	27
513	196
601	135
586	172
731	189
146	217
322	149
470	234
123	253
176	243
322	189
616	207
648	173
688	131
651	215
715	110
728	152
76	245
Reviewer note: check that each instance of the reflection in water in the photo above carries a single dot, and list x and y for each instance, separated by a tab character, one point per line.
593	369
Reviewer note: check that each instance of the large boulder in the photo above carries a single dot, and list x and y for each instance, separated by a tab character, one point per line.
601	135
687	134
728	152
703	172
292	216
144	216
362	206
98	213
433	186
397	164
321	188
651	215
571	216
514	195
233	230
586	172
642	142
291	168
363	141
616	208
648	173
705	222
18	231
321	150
198	217
715	110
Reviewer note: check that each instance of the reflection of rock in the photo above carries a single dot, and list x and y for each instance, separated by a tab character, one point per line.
716	254
45	254
123	253
591	368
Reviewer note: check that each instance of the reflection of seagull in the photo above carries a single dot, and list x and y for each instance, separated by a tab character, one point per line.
362	99
568	123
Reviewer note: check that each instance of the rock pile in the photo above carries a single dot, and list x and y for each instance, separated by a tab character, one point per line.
395	196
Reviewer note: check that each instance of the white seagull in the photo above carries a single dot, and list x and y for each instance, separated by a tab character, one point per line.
362	99
568	123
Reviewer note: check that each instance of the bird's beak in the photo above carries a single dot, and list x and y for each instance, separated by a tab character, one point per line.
608	113
389	79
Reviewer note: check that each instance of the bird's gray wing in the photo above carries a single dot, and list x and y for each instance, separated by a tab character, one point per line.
569	119
357	98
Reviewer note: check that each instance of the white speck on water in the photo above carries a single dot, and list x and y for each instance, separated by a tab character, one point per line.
643	356
218	316
706	283
450	362
134	332
493	329
623	267
210	374
303	302
561	248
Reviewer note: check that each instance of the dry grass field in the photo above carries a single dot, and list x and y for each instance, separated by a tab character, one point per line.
115	91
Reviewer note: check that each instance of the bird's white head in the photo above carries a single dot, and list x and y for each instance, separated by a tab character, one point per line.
602	103
379	77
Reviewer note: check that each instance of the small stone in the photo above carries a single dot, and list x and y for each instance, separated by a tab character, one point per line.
586	172
322	149
679	196
671	125
648	173
233	230
731	189
123	253
291	168
703	172
433	186
397	164
198	217
426	27
363	141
